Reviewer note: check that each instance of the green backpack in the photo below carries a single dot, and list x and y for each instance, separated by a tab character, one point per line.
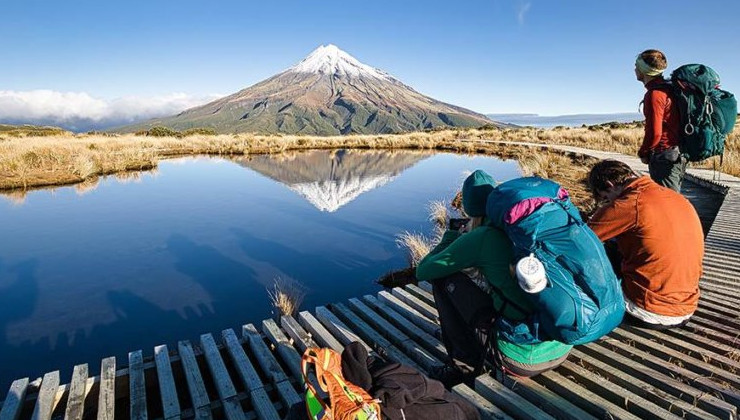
707	112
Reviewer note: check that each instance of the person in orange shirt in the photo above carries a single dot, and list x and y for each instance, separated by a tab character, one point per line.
660	243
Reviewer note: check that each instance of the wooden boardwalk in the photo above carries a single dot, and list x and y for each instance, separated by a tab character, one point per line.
253	373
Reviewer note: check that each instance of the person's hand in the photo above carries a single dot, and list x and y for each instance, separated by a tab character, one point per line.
464	228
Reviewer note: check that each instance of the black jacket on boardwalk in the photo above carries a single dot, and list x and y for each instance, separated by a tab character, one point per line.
405	393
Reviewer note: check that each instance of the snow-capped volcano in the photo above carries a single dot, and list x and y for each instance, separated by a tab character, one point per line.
330	60
329	92
332	179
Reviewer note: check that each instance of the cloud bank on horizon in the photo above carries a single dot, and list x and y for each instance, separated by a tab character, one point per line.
78	111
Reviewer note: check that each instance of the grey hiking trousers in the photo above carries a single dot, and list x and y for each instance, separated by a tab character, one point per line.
667	168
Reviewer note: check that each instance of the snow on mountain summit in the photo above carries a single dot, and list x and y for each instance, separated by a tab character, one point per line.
330	60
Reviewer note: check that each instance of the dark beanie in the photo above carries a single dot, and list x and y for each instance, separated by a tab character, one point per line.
475	192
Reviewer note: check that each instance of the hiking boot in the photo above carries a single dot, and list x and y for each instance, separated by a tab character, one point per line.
451	374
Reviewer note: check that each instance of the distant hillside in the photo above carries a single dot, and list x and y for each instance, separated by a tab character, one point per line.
573	120
30	130
328	93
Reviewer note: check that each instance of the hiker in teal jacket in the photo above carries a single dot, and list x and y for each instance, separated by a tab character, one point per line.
463	306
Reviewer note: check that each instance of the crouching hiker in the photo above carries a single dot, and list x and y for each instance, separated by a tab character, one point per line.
659	241
465	309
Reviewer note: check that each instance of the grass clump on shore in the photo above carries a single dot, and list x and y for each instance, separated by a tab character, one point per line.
286	296
417	246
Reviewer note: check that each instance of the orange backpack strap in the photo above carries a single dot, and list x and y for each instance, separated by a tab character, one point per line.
347	401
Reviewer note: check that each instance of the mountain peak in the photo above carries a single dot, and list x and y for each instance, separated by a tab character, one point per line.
330	60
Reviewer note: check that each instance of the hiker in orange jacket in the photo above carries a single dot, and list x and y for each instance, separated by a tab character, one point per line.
659	238
662	122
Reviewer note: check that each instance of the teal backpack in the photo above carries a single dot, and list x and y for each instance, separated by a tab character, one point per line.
583	299
707	112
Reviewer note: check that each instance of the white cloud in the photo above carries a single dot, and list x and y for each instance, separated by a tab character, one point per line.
79	109
522	12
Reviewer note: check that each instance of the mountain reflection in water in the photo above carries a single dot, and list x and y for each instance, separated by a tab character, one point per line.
132	261
329	179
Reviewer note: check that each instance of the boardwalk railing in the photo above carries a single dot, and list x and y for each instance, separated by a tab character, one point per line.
693	372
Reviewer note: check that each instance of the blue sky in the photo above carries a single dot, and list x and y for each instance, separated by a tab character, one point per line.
504	56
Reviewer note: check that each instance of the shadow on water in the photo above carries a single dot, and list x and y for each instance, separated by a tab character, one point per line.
222	277
315	270
17	301
138	324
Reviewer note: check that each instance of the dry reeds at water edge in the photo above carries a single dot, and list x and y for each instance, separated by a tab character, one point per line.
286	296
417	246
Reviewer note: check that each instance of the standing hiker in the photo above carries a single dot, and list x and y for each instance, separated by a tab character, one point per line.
660	244
659	148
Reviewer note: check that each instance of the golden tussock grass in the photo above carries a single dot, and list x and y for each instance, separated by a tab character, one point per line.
286	296
31	162
417	246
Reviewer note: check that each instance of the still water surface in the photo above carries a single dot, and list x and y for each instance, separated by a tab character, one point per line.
90	272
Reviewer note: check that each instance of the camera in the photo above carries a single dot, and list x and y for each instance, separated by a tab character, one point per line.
456	224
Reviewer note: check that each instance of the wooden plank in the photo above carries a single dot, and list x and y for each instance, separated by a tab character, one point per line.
343	333
13	403
416	303
283	347
650	361
320	334
295	331
487	410
544	398
421	294
216	365
426	324
77	393
167	389
47	394
106	396
196	387
512	403
379	343
257	394
425	285
224	386
303	340
587	400
712	326
687	348
670	354
713	336
434	346
398	338
249	375
705	342
616	394
270	366
638	371
721	298
731	325
265	359
641	388
137	386
233	408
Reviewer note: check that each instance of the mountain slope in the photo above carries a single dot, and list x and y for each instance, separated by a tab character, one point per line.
328	93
